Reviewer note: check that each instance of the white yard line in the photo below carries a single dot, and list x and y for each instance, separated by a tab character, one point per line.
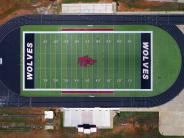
69	41
77	61
124	48
97	83
88	54
92	66
108	59
66	61
129	56
45	49
40	62
120	55
55	82
50	59
82	55
113	61
134	62
104	58
61	81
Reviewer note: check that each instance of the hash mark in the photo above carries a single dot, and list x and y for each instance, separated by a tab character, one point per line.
45	80
86	41
119	80
98	80
97	41
76	41
65	41
76	80
108	80
55	80
66	80
55	41
129	80
87	80
129	41
118	41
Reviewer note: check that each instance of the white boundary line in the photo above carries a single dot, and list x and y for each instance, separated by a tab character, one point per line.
23	54
151	61
84	32
87	89
75	32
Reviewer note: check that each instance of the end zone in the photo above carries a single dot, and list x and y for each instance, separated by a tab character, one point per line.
29	61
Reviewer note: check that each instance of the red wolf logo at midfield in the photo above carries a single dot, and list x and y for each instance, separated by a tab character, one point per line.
85	61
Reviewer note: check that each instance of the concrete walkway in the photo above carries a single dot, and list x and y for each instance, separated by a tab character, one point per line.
171	116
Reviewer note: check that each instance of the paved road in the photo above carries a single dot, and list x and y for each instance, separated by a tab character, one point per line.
10	50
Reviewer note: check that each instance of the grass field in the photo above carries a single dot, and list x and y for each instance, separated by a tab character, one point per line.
164	46
117	54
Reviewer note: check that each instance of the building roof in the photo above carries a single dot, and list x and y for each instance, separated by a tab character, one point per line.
48	114
89	8
101	117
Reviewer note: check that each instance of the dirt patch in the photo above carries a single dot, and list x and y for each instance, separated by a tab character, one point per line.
6	5
122	7
148	3
30	134
130	129
132	125
16	13
11	8
105	1
143	5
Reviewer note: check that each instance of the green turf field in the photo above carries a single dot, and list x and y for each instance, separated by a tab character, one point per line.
165	52
117	55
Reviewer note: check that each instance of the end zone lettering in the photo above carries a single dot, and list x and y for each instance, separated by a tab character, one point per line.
29	69
29	61
145	61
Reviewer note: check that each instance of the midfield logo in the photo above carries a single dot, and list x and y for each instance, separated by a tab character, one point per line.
85	61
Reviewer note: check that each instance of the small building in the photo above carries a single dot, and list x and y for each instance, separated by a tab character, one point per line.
49	115
80	129
49	127
89	8
93	129
87	128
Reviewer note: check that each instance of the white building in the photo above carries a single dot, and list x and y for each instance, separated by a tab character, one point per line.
89	8
102	118
48	115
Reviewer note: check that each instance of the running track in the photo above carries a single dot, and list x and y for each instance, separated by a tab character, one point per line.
10	50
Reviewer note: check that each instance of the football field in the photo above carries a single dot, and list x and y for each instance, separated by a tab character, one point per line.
118	55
